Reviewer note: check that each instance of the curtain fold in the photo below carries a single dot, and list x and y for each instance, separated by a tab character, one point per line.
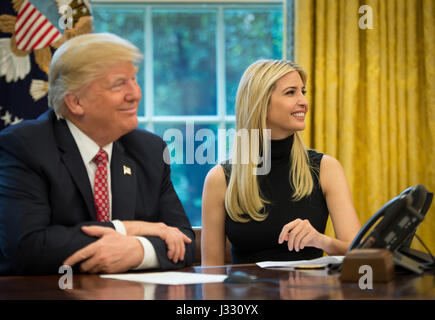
372	96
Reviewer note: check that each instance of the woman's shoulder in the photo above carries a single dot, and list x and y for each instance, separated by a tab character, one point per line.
329	162
318	158
216	175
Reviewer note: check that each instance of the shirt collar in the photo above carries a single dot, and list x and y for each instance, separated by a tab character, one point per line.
88	148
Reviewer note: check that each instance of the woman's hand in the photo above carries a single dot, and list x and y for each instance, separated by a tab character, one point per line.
300	234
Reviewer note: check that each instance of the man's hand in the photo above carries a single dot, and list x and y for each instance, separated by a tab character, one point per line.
175	241
174	238
112	253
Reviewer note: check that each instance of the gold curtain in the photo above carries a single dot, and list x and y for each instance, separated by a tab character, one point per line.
372	96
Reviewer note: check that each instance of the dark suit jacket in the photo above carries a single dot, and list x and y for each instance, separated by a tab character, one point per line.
45	195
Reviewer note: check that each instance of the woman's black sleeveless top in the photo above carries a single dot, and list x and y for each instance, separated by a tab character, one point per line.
258	241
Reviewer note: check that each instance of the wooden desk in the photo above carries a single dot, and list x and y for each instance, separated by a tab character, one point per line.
280	285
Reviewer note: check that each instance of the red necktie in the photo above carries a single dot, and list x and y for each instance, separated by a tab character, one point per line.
101	187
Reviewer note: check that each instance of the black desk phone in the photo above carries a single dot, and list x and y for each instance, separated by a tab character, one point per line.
399	219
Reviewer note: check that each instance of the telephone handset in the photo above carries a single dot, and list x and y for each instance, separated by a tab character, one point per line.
400	218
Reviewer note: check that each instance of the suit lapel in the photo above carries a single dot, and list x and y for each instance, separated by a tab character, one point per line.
74	163
123	174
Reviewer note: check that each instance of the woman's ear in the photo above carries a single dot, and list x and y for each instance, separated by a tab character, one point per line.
73	104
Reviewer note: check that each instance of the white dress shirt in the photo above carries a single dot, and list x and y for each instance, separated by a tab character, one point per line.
88	149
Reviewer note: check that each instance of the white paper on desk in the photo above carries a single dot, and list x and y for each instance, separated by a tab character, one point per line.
324	261
170	277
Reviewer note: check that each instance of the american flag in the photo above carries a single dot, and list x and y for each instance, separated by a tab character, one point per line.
36	25
33	30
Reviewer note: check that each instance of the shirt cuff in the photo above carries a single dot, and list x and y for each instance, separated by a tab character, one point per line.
150	260
119	226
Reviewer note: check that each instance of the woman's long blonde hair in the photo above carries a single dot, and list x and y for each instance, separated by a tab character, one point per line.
243	199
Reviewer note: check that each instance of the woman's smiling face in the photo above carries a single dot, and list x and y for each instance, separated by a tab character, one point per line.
287	106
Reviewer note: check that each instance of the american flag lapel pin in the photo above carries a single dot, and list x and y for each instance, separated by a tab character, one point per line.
127	170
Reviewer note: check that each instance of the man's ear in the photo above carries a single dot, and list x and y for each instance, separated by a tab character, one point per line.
73	104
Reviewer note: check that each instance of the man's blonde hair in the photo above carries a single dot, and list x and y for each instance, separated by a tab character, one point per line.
243	200
82	59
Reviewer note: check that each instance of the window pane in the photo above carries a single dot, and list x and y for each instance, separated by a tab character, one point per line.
184	50
193	150
249	36
128	24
